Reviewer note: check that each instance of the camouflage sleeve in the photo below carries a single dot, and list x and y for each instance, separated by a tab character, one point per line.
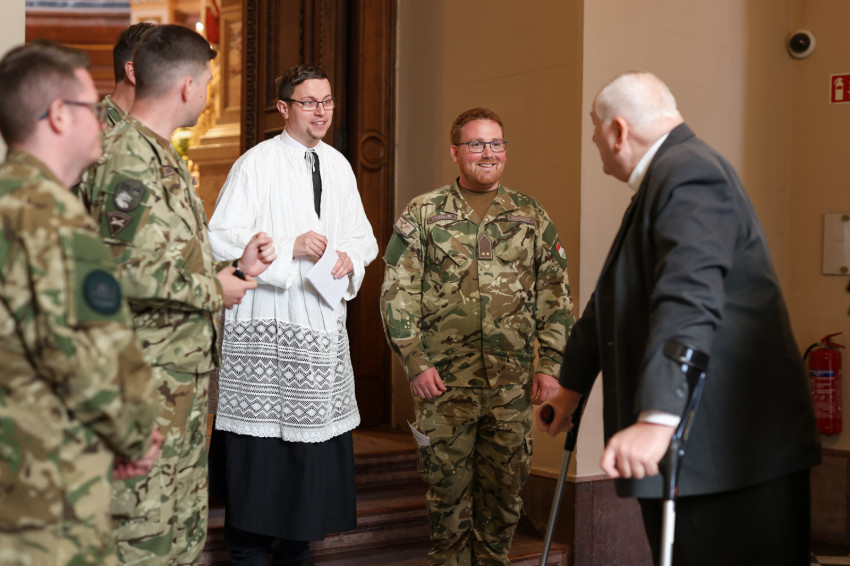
148	230
401	295
554	302
73	325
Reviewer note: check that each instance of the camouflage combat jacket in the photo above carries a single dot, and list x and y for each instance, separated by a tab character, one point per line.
142	197
114	114
469	298
74	390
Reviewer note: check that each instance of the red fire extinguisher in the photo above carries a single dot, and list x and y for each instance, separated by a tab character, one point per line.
825	381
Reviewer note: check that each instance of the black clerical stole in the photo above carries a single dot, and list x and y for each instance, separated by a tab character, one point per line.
317	182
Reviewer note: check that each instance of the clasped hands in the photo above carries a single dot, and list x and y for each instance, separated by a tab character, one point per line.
124	469
312	245
633	452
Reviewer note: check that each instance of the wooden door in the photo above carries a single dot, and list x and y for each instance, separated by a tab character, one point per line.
352	41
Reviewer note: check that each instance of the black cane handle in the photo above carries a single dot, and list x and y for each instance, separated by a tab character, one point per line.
547	414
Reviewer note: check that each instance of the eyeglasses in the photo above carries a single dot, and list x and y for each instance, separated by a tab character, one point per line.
310	105
99	109
498	146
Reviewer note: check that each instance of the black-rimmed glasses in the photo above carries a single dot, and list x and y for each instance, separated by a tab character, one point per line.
310	105
99	109
498	146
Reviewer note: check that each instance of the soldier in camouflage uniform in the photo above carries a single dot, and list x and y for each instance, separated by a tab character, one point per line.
143	199
120	102
74	391
474	274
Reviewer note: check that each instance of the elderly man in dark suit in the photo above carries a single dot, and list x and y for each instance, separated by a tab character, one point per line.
690	268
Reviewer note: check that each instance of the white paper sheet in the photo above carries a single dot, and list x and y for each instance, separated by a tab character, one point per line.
330	289
421	439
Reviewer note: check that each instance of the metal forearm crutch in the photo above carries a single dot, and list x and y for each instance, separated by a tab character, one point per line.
547	413
693	364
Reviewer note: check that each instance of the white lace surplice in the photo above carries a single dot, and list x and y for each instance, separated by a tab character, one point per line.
286	370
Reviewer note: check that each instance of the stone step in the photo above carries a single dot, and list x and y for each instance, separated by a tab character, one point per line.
384	458
386	516
525	551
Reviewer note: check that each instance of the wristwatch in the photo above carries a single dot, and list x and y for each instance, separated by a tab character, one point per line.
238	273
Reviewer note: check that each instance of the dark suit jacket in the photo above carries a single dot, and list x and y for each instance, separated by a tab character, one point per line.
690	263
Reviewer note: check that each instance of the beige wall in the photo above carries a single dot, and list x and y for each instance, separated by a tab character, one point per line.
11	32
526	65
819	147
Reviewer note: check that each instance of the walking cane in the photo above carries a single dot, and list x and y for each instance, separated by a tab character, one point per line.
693	364
547	413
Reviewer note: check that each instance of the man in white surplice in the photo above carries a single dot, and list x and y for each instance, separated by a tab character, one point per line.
286	386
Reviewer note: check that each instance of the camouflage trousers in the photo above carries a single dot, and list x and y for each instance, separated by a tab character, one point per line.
478	459
161	518
82	533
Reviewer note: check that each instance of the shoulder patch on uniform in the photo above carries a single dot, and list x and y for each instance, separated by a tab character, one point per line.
117	221
561	252
523	219
396	248
403	227
129	195
102	292
443	216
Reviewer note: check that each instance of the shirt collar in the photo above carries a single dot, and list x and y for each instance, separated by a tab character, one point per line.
639	172
295	144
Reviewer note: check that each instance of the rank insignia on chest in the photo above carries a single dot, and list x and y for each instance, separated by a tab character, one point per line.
485	247
168	170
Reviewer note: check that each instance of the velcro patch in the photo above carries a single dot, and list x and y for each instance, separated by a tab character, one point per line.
403	227
102	292
560	249
523	219
117	221
443	216
129	195
168	171
396	249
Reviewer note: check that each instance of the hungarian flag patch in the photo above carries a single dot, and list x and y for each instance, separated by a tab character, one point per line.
561	251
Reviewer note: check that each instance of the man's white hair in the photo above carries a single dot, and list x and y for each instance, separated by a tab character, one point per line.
639	98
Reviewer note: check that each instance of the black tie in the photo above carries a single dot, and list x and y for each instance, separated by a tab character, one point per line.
317	184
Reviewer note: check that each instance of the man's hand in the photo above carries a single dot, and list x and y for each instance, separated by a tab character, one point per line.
428	384
124	469
258	255
233	288
343	265
564	403
309	244
543	387
636	450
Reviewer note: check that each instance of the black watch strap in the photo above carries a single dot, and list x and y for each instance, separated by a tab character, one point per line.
238	273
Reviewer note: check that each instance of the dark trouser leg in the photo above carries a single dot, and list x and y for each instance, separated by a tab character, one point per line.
769	523
247	549
285	552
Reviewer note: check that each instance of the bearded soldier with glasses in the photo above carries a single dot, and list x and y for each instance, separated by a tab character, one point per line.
475	273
